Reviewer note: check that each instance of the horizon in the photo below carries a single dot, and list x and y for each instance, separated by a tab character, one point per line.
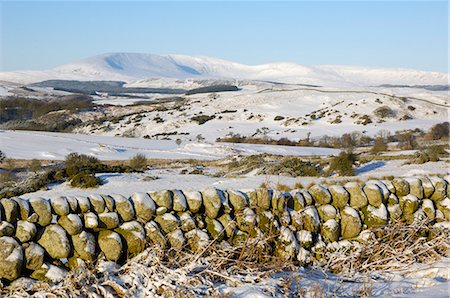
406	35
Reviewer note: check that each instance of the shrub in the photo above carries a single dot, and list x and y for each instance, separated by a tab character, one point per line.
439	131
343	164
34	165
430	154
379	146
138	162
85	179
278	118
81	161
384	112
2	157
201	119
295	167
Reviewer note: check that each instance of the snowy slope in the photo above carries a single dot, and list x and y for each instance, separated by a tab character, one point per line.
133	66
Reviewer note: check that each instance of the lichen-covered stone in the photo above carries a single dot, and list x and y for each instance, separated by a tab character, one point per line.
97	203
330	230
108	220
390	186
246	220
11	258
6	229
71	223
311	219
224	200
179	201
296	219
84	204
10	210
285	217
24	208
161	210
85	245
187	222
144	206
124	208
263	198
168	222
194	200
197	239
320	194
374	194
176	239
358	198
43	209
239	237
375	216
154	234
305	238
340	196
215	229
308	197
392	200
429	209
60	205
212	202
90	220
49	273
264	220
428	187
440	188
55	242
228	224
409	204
73	203
351	224
444	207
110	203
415	187
25	231
134	236
163	198
401	187
288	246
278	201
238	200
395	212
34	255
327	212
366	236
298	199
110	244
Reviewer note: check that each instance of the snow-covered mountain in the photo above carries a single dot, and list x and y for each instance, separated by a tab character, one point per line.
131	67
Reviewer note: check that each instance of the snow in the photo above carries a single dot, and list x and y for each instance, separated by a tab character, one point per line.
144	199
312	212
380	212
352	212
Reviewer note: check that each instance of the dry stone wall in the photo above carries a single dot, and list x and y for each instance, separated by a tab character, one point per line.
43	238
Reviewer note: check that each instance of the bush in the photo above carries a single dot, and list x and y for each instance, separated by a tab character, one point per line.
85	179
138	162
430	154
384	112
379	146
2	157
343	164
201	119
34	165
295	167
81	161
439	131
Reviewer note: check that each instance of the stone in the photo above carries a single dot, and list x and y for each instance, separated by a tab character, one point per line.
366	237
55	242
110	203
409	204
197	239
90	220
375	216
108	220
299	200
97	203
11	258
110	244
24	208
415	187
134	235
263	198
246	220
10	210
239	238
320	194
384	189
444	207
304	256
308	197
43	209
194	200
83	204
154	234
330	231
71	223
212	202
392	199
144	206
179	201
238	200
228	224
278	201
340	196
73	203
215	229
305	238
161	210
390	186
187	222
327	212
176	239
395	212
85	245
285	217
358	198
374	194
253	198
429	209
351	224
296	219
49	273
311	219
163	198
401	187
428	187
440	188
226	206
124	208
34	255
25	231
265	220
168	222
6	229
60	206
288	246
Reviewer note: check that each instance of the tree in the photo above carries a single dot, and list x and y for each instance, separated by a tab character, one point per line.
407	141
2	157
379	145
34	165
439	131
138	162
343	163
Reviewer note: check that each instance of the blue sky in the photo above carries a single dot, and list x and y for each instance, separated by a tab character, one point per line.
41	35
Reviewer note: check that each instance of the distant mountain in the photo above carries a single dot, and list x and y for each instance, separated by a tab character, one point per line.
130	67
